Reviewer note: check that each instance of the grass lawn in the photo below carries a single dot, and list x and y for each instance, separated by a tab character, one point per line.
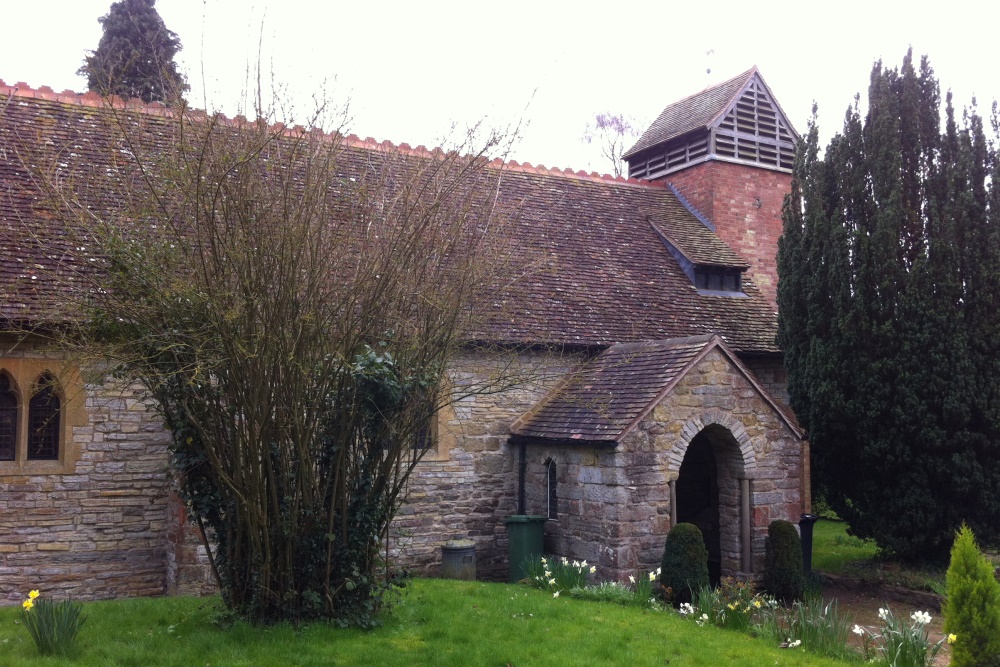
834	550
436	623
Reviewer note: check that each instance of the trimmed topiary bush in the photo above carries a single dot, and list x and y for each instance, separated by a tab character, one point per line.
972	608
685	562
783	577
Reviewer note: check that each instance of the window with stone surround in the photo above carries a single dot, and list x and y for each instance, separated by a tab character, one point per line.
35	433
427	435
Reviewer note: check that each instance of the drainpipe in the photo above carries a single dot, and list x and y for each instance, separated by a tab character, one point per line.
522	471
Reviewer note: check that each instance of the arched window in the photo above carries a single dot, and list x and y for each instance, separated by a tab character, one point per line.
553	496
8	420
43	421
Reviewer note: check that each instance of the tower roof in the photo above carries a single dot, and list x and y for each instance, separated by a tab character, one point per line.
702	111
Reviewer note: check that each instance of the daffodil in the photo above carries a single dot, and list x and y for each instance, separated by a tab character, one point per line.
33	594
952	638
756	603
552	582
593	569
920	617
631	579
858	630
28	604
652	576
556	594
883	613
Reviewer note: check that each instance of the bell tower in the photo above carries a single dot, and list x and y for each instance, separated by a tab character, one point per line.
728	152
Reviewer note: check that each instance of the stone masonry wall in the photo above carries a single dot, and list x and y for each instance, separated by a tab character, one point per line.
614	504
744	203
468	485
771	375
94	528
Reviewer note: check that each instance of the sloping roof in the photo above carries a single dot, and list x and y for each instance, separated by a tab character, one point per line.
696	246
697	111
605	398
604	275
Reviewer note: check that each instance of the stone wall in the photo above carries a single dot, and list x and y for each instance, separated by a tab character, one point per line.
771	376
614	503
104	523
91	525
467	486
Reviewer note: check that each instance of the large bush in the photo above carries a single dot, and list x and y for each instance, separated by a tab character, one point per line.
291	301
685	562
783	577
972	608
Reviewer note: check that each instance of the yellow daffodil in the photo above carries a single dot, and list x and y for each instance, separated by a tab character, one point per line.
28	604
952	637
33	594
756	603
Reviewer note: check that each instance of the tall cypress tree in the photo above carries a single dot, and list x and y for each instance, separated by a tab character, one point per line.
135	57
889	312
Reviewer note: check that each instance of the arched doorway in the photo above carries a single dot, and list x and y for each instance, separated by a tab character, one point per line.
698	498
708	495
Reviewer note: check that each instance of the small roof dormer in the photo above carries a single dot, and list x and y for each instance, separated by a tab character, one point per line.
735	121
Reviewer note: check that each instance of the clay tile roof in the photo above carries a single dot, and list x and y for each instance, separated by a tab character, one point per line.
604	397
604	275
695	241
695	112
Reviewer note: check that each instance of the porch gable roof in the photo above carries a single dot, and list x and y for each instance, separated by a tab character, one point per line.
602	400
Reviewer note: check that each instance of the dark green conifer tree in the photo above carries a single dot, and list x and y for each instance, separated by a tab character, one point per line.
135	57
889	313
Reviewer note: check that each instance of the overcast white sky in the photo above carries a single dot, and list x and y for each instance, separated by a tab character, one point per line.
412	70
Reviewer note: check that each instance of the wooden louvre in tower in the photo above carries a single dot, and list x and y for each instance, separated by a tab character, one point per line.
736	121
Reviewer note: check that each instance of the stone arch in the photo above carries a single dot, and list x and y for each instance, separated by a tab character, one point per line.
699	423
723	458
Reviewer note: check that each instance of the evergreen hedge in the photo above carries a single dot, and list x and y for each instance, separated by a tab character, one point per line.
685	562
783	575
